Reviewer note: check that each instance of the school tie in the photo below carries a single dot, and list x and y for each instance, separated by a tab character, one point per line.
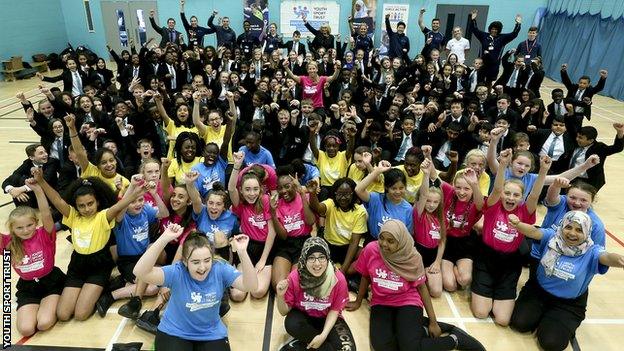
78	81
558	110
135	72
171	36
296	47
403	149
576	155
512	80
553	144
59	150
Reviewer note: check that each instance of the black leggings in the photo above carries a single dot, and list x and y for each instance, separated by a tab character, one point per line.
166	342
401	329
304	328
554	319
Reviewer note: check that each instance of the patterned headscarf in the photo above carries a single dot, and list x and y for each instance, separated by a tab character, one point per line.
406	261
321	286
557	245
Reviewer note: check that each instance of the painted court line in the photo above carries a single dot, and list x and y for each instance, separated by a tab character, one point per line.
454	310
120	328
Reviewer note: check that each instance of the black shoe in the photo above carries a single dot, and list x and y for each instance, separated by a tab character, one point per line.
131	346
293	345
116	283
132	308
465	341
149	321
104	303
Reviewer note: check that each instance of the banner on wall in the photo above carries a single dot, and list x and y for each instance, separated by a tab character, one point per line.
257	13
398	13
364	11
317	13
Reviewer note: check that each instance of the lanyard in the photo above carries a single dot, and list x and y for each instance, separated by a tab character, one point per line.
526	42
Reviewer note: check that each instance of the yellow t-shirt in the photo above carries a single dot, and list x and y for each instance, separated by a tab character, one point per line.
339	225
332	169
484	182
93	171
176	171
89	235
217	137
413	184
174	131
356	174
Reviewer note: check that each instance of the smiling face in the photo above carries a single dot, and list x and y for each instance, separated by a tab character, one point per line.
250	189
396	192
579	200
433	201
211	154
182	113
387	243
511	196
24	227
189	150
344	196
136	206
108	165
179	199
87	205
199	263
286	188
316	264
573	234
411	165
40	156
215	205
462	189
331	147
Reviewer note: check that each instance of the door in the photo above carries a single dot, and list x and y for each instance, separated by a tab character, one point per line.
459	15
127	21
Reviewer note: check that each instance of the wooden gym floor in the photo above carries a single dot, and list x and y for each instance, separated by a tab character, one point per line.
256	325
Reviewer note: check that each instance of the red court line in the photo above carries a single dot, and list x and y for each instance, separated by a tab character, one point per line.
23	340
614	238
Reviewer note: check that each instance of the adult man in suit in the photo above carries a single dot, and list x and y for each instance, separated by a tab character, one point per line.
555	143
169	72
588	146
74	79
168	34
580	94
15	184
295	45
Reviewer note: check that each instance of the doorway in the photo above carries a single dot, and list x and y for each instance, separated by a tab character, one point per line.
126	21
458	16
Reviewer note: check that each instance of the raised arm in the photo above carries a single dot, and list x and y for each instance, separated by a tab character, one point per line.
495	134
388	25
314	131
145	269
570	174
316	206
114	210
279	228
419	206
471	178
190	178
165	182
248	280
360	188
499	181
79	150
232	188
528	230
230	125
290	74
153	22
333	77
42	202
536	190
201	127
51	193
158	98
552	194
421	22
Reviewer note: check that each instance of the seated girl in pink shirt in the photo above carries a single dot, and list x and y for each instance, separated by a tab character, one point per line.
32	251
395	271
498	265
312	299
251	206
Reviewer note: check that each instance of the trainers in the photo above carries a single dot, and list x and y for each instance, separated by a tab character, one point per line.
132	308
149	321
465	341
293	345
104	303
131	346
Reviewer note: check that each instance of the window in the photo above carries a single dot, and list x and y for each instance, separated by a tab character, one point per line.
89	17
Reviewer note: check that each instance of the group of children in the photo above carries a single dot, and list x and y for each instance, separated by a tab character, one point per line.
227	172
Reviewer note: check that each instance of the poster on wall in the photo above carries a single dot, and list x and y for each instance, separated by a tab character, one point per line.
257	13
364	11
398	13
317	13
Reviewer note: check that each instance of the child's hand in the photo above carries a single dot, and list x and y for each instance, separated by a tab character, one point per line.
239	243
37	174
470	175
137	180
172	232
273	201
70	120
191	177
165	162
383	166
281	287
312	186
545	163
513	219
32	184
561	182
592	161
239	157
426	150
425	166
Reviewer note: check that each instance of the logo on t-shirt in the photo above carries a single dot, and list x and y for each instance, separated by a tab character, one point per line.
141	232
201	301
504	233
257	221
32	263
292	223
209	180
388	280
384	219
313	303
563	270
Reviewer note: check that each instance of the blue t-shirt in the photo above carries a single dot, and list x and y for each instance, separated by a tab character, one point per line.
572	274
528	180
311	172
193	310
208	175
263	156
226	222
380	210
132	233
554	216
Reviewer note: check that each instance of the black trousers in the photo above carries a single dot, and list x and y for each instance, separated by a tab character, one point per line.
304	328
401	329
166	342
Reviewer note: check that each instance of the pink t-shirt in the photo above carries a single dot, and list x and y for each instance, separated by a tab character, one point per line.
149	199
292	217
269	184
463	218
295	297
426	229
39	252
313	91
389	288
498	233
177	219
255	225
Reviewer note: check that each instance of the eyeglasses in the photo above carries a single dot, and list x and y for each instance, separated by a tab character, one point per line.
319	259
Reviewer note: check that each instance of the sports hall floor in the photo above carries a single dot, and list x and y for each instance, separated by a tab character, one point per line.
255	325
